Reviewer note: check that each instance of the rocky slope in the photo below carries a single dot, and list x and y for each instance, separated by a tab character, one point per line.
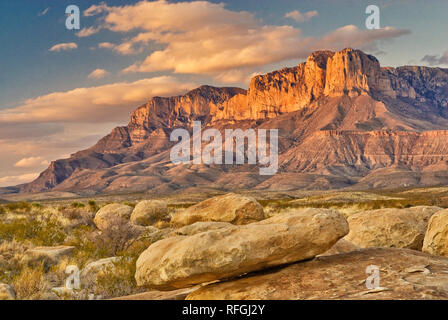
343	120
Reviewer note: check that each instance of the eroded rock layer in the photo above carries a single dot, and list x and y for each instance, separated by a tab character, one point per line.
343	120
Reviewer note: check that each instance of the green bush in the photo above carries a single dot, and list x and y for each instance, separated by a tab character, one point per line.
41	233
131	204
78	205
93	206
87	248
18	206
119	281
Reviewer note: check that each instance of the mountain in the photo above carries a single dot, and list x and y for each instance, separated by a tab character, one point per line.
343	120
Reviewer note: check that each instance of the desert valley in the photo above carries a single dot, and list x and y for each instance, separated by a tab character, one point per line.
361	183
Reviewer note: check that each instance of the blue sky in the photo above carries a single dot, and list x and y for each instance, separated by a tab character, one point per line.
56	102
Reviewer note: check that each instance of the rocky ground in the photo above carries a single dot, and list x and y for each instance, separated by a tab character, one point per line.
231	246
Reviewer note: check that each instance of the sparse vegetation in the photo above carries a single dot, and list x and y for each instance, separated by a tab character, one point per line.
41	232
77	205
30	283
26	225
131	204
21	207
93	206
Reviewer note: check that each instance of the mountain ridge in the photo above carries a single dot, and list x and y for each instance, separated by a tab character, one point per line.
344	102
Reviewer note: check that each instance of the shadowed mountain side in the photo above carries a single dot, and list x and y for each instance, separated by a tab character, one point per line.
342	119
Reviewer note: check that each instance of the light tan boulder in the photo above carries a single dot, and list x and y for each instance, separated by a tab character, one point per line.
397	228
342	246
436	237
232	208
7	292
110	213
403	274
185	261
180	294
149	212
199	227
92	271
47	255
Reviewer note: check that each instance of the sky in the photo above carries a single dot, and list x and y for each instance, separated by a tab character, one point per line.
62	90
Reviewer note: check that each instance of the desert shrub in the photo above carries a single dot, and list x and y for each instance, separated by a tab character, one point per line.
18	206
117	237
87	249
37	205
44	232
11	253
131	204
30	283
76	204
2	209
93	206
118	281
83	216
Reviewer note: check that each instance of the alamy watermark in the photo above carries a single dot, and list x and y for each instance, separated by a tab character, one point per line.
373	280
73	281
234	147
373	20
73	21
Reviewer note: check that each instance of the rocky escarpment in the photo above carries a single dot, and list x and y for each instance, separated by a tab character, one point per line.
342	117
325	73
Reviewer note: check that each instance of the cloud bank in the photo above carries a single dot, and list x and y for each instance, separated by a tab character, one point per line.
63	47
208	39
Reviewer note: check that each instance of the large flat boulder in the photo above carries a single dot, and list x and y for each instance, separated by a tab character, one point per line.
403	274
179	294
149	212
342	246
436	237
390	228
92	271
184	261
48	256
199	227
112	213
232	208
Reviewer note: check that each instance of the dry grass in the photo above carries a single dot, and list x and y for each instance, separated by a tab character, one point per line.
30	283
26	225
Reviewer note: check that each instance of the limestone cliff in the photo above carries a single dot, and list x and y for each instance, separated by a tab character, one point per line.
342	117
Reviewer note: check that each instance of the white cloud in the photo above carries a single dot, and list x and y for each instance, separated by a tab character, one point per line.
62	123
236	76
106	45
87	32
95	9
63	47
54	145
301	17
98	74
15	180
352	36
31	162
112	102
125	48
200	37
